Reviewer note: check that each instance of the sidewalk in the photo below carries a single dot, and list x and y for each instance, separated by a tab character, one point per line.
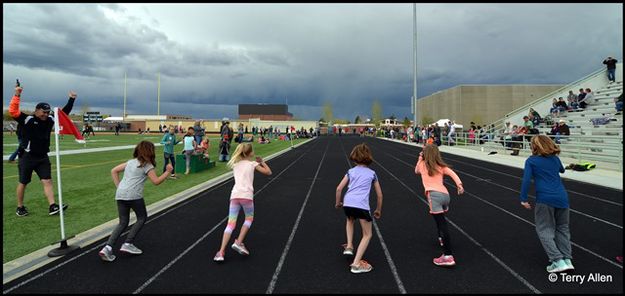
607	178
87	150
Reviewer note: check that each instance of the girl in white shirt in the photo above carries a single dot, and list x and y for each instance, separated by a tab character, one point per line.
242	196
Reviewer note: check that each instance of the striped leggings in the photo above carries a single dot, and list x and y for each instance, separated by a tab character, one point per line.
235	206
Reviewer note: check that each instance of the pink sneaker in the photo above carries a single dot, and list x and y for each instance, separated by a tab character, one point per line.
219	257
444	260
364	266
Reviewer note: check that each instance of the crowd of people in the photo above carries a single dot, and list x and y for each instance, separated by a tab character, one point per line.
543	166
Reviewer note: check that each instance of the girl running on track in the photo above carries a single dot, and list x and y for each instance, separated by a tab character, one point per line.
129	195
356	204
242	196
552	202
432	170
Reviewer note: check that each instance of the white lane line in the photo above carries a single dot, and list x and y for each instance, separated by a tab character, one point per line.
489	253
528	222
521	178
276	273
529	195
98	246
170	264
151	219
387	253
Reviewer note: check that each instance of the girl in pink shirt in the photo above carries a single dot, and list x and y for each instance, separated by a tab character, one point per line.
242	196
471	136
432	170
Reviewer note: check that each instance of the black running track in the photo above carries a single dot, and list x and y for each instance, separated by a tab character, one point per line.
295	240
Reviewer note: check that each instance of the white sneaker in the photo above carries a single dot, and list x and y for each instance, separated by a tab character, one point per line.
219	257
107	253
130	248
239	247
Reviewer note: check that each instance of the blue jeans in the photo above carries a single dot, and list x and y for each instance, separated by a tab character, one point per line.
198	139
170	157
557	138
611	74
619	106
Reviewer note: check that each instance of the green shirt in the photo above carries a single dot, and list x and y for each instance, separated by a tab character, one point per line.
529	124
168	142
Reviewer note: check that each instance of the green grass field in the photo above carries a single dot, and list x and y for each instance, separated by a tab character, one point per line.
88	189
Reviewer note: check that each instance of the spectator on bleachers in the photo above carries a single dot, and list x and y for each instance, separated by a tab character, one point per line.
554	129
506	135
572	99
535	116
527	123
554	107
618	104
563	130
483	134
582	98
611	64
517	139
561	106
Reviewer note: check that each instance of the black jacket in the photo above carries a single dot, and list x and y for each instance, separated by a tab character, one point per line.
35	133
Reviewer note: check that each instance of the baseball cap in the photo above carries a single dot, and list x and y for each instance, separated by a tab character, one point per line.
43	106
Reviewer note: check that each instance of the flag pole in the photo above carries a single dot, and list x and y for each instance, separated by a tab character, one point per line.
158	96
124	115
64	248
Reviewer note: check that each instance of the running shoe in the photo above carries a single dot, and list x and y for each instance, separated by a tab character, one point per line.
348	251
240	247
130	248
107	253
219	257
364	266
444	260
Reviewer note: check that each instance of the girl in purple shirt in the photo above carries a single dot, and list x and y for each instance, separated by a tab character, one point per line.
356	204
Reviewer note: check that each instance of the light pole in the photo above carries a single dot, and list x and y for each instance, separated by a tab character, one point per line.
414	88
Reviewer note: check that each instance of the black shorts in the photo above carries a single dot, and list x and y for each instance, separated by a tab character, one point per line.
29	163
357	213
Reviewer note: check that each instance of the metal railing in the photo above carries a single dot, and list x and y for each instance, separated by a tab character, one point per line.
609	154
500	123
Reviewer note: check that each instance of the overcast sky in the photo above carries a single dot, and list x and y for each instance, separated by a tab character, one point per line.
212	57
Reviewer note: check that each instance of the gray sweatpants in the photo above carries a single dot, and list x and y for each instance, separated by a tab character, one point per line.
123	208
552	227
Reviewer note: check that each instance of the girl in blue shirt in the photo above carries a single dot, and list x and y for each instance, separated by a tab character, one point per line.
551	211
189	147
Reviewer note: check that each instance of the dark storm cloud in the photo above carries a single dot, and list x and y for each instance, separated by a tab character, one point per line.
211	56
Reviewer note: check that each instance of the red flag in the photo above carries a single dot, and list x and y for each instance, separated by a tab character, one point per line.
67	127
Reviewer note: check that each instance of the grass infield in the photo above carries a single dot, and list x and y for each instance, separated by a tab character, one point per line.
88	188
